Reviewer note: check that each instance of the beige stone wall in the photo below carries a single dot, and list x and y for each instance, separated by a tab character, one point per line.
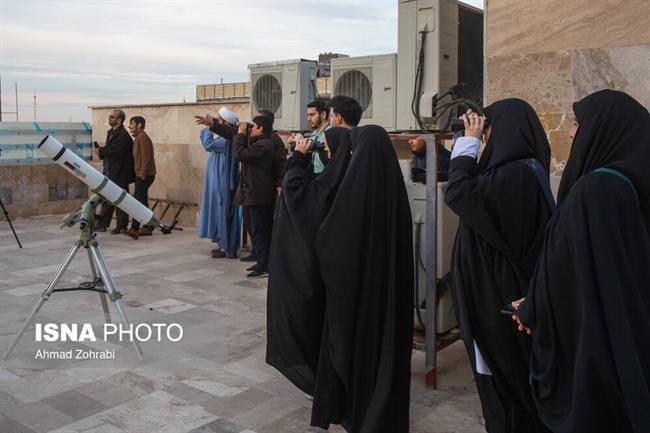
554	52
38	189
180	158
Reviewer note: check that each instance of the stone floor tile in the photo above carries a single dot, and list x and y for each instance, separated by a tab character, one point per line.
75	404
266	413
237	404
8	425
116	389
40	385
37	416
220	426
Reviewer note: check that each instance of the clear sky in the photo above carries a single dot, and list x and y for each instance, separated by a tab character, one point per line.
79	53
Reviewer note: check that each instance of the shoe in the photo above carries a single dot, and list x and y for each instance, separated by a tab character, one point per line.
252	268
100	229
256	274
133	234
145	231
249	258
232	257
218	254
116	231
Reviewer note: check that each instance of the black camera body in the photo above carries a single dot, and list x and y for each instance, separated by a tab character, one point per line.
458	125
314	146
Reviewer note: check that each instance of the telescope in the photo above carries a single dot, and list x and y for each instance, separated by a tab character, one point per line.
99	183
104	190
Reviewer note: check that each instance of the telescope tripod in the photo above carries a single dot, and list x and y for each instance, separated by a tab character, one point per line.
4	210
102	283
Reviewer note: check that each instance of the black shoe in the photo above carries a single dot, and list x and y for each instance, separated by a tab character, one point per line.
252	268
218	254
116	231
249	258
256	274
100	229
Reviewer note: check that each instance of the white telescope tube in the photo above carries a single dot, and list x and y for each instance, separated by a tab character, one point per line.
96	181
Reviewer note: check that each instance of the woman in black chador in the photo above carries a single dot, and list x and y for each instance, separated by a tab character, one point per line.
296	294
504	203
588	307
355	299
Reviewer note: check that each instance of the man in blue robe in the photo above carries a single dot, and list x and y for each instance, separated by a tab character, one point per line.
219	218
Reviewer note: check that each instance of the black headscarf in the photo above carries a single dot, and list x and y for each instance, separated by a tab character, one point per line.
365	250
516	134
613	132
589	301
296	296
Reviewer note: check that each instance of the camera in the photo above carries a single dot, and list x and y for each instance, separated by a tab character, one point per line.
314	146
458	125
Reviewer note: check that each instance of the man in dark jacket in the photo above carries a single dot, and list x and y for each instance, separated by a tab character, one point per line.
221	127
257	188
117	155
419	162
279	152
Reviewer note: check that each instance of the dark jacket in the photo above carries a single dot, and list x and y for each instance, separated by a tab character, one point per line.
118	156
279	166
256	182
419	165
226	131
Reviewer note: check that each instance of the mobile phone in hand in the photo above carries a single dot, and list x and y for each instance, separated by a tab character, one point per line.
508	310
95	145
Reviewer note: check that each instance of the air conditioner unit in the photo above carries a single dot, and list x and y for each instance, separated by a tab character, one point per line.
372	81
453	53
285	88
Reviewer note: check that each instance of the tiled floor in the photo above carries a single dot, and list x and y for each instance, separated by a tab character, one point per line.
213	380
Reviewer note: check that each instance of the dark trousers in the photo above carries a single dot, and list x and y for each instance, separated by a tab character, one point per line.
106	215
261	226
141	194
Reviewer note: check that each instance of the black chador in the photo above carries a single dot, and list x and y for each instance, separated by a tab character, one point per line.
589	300
504	204
359	374
296	294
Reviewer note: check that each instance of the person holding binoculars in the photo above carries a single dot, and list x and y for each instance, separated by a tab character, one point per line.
503	201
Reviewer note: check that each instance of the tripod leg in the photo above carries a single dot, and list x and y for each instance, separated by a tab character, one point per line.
44	297
9	221
112	291
102	296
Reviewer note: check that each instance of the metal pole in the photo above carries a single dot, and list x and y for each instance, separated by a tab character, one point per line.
431	261
34	105
16	87
102	296
111	289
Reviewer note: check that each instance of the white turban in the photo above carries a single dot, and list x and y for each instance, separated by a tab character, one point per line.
228	116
